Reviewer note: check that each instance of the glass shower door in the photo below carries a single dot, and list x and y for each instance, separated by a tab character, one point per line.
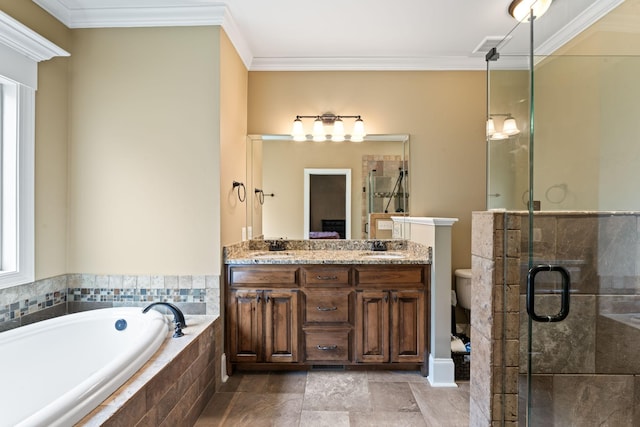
569	184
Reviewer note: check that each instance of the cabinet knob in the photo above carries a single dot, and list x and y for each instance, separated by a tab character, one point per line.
327	347
326	277
326	308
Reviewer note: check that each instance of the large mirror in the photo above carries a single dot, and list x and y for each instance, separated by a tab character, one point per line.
327	190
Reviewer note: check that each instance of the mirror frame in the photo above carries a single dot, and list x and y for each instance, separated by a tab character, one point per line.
252	199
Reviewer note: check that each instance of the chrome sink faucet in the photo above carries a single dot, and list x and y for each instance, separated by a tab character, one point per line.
178	316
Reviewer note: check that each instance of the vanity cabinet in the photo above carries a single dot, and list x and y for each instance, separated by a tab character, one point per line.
263	314
391	320
307	315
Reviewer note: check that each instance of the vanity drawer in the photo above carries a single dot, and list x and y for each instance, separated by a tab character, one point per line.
390	276
326	276
263	275
327	346
324	306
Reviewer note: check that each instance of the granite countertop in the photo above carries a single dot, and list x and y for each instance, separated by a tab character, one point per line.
327	252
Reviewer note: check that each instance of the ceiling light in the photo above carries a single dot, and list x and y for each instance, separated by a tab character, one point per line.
328	126
521	9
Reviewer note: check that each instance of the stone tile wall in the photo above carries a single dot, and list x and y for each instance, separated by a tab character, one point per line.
586	367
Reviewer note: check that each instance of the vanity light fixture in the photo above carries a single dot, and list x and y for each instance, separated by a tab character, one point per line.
521	9
328	126
509	127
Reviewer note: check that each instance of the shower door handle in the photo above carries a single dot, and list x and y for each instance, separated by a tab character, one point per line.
564	302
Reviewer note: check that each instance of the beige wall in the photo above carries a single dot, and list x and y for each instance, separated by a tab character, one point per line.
144	151
233	135
51	132
442	111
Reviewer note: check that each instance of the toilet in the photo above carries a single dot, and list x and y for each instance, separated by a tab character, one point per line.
463	287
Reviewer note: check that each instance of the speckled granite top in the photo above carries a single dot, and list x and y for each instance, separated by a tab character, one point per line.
327	252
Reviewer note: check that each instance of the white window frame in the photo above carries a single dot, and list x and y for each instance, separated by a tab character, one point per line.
17	189
20	51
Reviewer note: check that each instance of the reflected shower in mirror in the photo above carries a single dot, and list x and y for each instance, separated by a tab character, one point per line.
379	187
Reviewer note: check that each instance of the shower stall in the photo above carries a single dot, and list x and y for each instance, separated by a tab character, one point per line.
562	341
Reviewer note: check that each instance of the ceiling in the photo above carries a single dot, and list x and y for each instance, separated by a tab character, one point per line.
346	34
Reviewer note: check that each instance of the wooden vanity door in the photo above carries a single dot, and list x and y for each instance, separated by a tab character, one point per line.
245	325
281	327
408	326
372	326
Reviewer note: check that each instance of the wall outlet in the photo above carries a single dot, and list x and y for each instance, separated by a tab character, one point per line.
249	233
244	233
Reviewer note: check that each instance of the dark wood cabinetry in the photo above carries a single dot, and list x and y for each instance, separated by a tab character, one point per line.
263	314
305	315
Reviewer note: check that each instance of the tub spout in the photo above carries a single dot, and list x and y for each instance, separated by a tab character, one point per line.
178	316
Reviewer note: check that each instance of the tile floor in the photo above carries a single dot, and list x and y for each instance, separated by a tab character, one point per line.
336	399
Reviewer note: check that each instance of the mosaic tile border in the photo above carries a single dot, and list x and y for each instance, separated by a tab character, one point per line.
30	298
136	295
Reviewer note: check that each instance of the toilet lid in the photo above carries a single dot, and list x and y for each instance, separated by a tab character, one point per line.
464	272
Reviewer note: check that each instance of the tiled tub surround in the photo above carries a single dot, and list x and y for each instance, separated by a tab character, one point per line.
178	381
586	367
174	386
327	252
47	298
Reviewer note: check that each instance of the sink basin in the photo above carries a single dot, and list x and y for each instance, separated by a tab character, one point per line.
385	255
272	255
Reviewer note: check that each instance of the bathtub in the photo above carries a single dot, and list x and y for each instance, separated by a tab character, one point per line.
56	371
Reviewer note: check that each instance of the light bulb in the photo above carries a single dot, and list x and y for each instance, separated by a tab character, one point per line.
358	130
491	127
318	131
338	131
509	127
297	132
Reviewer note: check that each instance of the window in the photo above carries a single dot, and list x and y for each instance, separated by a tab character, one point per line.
16	187
20	51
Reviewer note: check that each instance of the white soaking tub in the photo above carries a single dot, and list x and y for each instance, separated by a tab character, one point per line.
56	371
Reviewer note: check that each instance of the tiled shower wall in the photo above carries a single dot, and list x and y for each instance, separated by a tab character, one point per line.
42	299
586	367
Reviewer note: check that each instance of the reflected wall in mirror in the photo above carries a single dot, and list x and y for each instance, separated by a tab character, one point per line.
275	172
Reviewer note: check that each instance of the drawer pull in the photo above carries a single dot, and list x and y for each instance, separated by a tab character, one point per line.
326	308
327	277
327	347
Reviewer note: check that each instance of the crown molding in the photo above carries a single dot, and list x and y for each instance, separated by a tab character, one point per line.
152	13
159	14
443	63
584	20
26	41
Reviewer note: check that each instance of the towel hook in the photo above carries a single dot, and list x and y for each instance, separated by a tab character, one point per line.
242	197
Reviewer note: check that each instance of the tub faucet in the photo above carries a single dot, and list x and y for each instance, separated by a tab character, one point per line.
178	316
